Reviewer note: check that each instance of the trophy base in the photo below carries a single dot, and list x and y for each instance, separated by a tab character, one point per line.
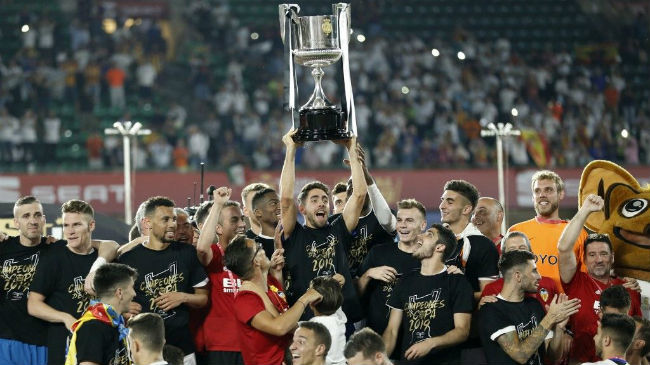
322	124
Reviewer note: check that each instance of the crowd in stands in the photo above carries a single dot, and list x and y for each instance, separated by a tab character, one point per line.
414	109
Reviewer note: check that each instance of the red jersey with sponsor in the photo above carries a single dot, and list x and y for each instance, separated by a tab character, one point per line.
544	235
547	290
259	347
220	323
584	324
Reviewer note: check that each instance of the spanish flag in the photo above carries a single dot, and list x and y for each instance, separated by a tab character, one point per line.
100	312
537	147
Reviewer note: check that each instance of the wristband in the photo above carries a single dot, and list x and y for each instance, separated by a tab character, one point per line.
97	264
567	331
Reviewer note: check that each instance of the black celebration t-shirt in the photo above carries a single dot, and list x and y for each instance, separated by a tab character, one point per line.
367	234
174	269
19	264
428	305
501	317
377	292
313	252
268	243
99	342
482	260
60	277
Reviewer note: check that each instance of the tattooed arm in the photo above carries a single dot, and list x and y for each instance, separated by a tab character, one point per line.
521	350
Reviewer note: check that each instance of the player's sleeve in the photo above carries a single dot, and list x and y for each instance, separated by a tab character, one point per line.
462	296
489	259
91	342
46	273
492	323
247	306
289	241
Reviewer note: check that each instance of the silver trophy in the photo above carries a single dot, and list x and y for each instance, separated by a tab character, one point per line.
316	42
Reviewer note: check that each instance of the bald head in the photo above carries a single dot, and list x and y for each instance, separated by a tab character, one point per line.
488	217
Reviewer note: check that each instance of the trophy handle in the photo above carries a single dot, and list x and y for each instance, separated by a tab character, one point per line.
283	10
343	16
343	9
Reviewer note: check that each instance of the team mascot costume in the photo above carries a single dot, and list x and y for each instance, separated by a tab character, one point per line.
625	218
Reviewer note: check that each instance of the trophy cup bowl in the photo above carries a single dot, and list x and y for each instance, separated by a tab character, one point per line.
318	46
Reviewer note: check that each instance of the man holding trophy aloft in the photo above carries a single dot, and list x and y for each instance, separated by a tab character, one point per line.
318	247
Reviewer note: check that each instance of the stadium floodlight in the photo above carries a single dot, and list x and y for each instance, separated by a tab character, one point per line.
500	130
127	130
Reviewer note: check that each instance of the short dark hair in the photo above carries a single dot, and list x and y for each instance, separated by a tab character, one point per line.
24	201
78	206
332	294
598	237
615	297
513	259
643	333
302	196
109	277
464	188
447	238
366	341
412	204
238	257
321	334
259	196
152	203
340	187
173	355
620	327
203	211
149	328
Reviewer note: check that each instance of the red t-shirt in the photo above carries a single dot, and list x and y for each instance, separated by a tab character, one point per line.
585	323
497	242
115	77
547	290
259	348
220	319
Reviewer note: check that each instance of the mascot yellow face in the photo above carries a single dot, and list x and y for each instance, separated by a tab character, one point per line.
625	217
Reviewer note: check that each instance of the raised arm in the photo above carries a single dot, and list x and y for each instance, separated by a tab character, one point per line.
209	231
287	321
287	185
385	217
353	207
568	263
131	245
106	249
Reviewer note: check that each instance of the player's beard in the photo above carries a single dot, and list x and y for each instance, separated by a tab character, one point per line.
546	210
